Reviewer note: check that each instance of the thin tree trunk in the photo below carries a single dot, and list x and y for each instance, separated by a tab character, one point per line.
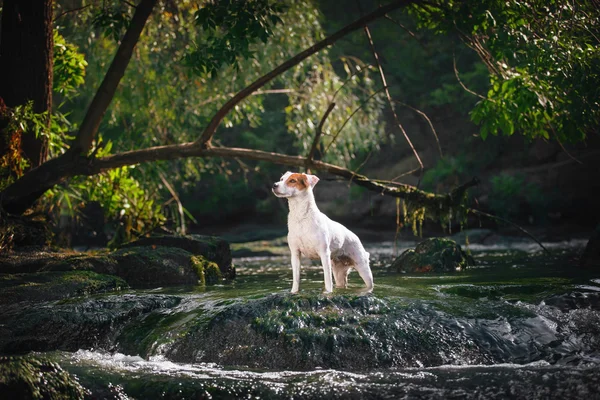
26	64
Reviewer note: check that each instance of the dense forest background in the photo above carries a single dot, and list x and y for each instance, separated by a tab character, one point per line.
172	87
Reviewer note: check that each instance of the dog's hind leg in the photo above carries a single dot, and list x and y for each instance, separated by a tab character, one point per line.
362	267
340	273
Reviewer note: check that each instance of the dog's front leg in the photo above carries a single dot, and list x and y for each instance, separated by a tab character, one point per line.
327	273
295	269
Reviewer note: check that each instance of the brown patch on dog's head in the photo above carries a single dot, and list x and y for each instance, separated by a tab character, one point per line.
298	181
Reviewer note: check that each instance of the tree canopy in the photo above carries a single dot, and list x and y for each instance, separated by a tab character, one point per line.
261	72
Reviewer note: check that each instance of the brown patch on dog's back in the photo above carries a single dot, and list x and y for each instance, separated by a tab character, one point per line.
297	181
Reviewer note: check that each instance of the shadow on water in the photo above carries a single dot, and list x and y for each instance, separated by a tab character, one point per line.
517	325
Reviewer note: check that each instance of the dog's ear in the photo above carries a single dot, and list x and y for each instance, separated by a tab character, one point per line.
312	180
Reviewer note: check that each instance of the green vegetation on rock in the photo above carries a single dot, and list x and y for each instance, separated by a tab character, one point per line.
208	272
433	255
37	378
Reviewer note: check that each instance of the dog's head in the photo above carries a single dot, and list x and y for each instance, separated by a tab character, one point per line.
294	184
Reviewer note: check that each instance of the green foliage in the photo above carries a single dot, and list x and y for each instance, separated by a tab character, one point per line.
448	170
229	27
510	193
165	98
112	20
543	58
131	210
69	67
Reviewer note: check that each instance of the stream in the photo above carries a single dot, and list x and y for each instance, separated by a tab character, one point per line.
518	325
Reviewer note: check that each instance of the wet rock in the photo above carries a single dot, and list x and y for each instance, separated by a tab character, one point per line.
212	248
591	254
37	378
73	324
54	285
433	255
147	266
139	266
303	332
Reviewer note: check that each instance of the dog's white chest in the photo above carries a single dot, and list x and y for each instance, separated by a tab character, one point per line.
306	236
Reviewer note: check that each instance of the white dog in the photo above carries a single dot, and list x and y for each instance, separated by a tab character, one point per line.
313	235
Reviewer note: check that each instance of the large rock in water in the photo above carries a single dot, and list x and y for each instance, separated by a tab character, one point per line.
433	255
212	248
32	378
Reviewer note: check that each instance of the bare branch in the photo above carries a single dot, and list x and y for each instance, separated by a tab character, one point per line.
389	98
209	131
421	113
176	198
357	72
108	87
315	143
411	33
478	212
357	109
461	82
70	11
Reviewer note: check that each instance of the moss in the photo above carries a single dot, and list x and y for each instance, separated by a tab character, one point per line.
208	272
55	285
433	255
31	378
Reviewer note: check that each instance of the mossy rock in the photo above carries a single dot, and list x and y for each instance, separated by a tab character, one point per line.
151	266
55	285
73	324
37	378
308	331
212	248
433	255
208	272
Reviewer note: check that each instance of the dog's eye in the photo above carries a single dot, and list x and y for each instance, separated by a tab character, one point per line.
292	181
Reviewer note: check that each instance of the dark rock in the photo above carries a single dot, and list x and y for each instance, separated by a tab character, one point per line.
140	266
70	325
591	254
54	285
304	332
212	248
433	255
147	266
37	378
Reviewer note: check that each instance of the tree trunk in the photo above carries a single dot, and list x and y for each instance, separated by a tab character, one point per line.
26	45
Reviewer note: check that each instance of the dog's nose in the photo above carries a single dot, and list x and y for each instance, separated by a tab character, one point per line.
275	185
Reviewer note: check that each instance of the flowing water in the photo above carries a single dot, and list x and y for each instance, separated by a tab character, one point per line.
517	325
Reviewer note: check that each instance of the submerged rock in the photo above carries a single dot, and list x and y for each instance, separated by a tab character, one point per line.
33	378
433	255
212	248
